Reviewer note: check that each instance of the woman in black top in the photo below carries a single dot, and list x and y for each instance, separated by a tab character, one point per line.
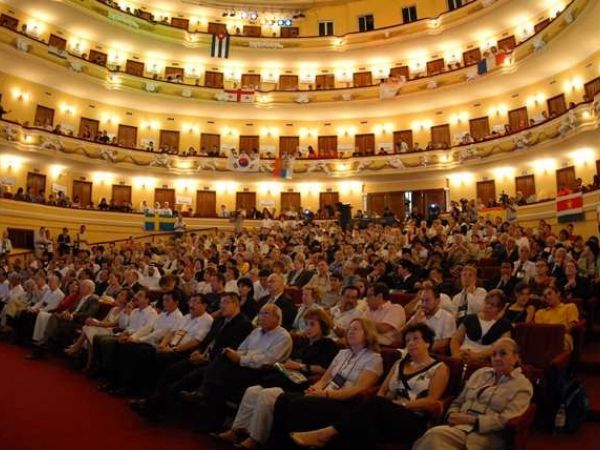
521	311
248	305
575	286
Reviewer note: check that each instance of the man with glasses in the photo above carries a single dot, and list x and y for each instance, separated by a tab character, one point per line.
227	331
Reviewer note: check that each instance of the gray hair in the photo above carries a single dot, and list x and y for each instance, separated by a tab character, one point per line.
511	342
273	309
88	283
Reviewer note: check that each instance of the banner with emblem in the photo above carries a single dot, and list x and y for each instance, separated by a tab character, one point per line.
569	208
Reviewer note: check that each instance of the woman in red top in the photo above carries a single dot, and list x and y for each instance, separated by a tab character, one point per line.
71	299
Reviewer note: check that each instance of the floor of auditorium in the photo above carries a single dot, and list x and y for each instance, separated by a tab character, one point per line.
47	405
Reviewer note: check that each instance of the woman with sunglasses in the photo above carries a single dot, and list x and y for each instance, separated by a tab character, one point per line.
491	397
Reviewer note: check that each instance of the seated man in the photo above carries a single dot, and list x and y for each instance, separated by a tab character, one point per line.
388	318
143	316
65	324
438	319
470	299
235	370
277	296
346	311
132	352
228	331
557	312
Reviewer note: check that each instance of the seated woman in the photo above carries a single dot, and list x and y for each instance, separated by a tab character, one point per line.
520	311
249	306
540	281
353	372
491	397
399	412
255	414
557	312
575	286
310	300
118	316
475	335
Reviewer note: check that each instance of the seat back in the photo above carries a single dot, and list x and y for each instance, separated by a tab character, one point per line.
455	381
539	343
295	294
401	298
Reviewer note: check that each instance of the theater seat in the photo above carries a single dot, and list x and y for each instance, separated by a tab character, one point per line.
295	294
542	345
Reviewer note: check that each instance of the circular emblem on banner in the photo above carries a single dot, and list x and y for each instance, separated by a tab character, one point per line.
243	161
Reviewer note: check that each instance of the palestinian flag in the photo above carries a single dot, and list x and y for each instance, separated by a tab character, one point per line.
569	208
220	46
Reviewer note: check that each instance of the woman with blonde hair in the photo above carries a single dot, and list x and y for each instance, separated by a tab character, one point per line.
354	372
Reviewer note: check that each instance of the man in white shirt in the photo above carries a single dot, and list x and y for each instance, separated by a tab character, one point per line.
4	288
388	318
15	300
142	317
470	299
523	268
346	311
42	310
231	276
436	318
134	355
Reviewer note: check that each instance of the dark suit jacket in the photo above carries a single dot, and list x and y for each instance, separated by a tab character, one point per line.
301	280
224	335
288	309
89	308
507	287
407	285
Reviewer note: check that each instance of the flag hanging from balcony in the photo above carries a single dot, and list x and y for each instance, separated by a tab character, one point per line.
569	208
220	46
284	167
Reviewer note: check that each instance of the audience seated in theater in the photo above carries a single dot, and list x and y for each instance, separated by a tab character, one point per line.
491	397
310	301
311	355
354	371
388	318
471	298
504	281
401	410
277	296
474	337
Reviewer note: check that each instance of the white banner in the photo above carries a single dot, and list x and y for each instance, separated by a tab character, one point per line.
8	181
184	201
243	163
59	188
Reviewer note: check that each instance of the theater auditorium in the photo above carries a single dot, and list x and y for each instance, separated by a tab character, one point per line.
293	224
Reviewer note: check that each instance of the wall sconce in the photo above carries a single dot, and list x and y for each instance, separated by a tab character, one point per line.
20	95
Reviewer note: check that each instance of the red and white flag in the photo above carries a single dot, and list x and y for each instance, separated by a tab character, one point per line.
569	208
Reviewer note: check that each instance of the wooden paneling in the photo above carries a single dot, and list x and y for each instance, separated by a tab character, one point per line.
213	79
289	32
288	82
210	142
471	57
486	191
9	22
541	25
526	185
435	197
249	143
169	139
557	105
376	202
592	88
418	202
435	67
362	79
395	201
44	116
323	82
217	28
251	81
164	195
518	119
21	237
252	30
565	178
97	57
88	128
440	136
179	22
365	144
121	195
174	73
290	201
327	147
134	68
399	72
403	136
289	145
598	167
83	191
57	42
328	199
127	136
479	128
37	182
206	204
245	200
508	43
